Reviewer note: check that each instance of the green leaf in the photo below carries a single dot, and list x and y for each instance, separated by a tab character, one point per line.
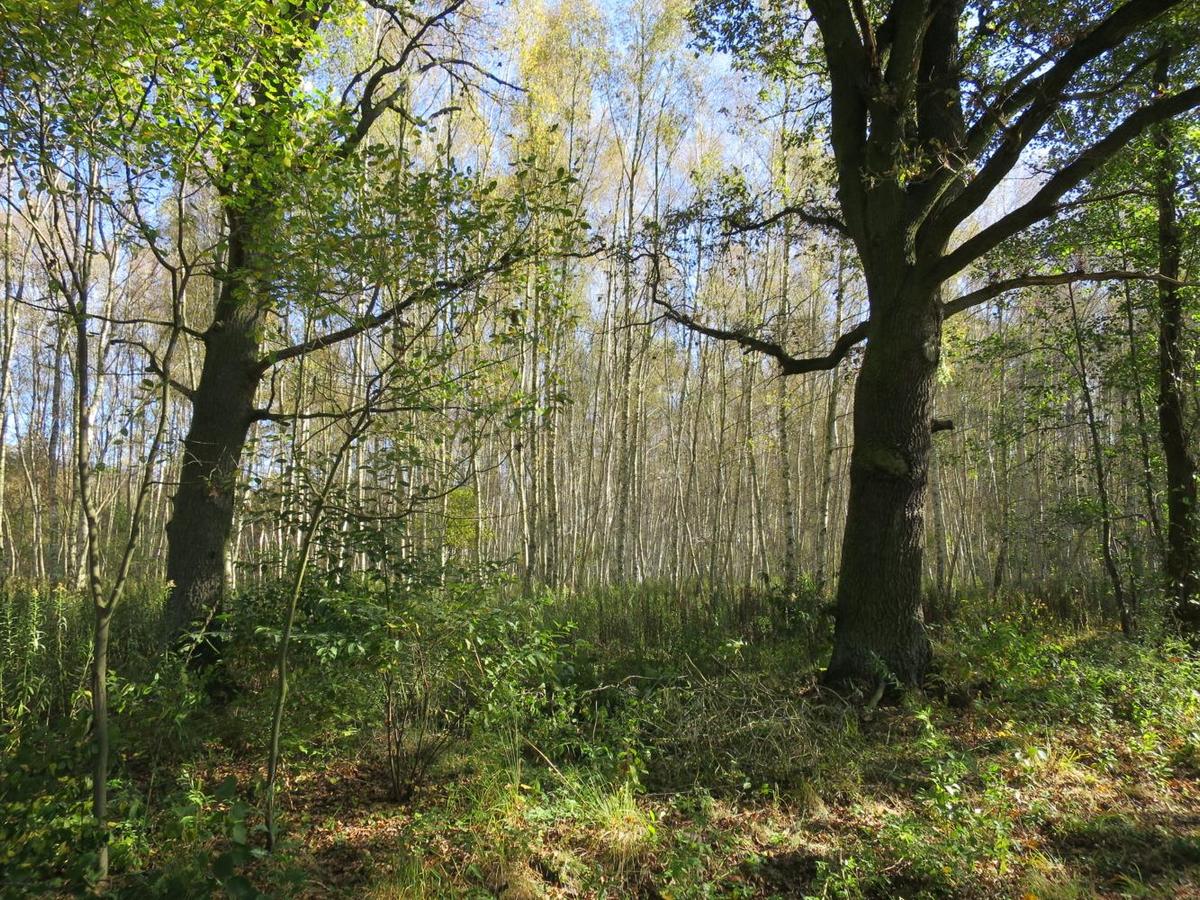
227	789
239	886
224	866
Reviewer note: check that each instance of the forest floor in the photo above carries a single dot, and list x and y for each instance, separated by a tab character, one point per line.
1034	767
639	756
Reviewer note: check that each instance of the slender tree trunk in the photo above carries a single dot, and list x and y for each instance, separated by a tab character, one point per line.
1124	607
100	632
783	426
823	549
54	515
1001	482
790	549
102	612
8	328
942	572
296	589
1143	429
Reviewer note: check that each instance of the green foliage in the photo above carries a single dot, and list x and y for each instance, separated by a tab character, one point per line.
47	831
715	769
47	834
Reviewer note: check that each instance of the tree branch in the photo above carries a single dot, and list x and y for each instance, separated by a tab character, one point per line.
1040	97
995	289
368	107
788	364
1044	202
153	366
505	261
825	220
1041	93
848	62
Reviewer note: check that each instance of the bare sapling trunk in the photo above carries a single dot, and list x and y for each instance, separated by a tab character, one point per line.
355	429
1124	605
104	602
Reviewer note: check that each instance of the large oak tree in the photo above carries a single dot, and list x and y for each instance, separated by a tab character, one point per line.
928	107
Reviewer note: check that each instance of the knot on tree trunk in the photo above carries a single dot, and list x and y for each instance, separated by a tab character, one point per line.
885	460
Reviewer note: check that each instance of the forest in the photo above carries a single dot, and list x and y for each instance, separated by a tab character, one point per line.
600	448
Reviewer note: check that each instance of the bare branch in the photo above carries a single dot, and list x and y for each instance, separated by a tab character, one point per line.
818	219
369	108
155	367
996	288
788	364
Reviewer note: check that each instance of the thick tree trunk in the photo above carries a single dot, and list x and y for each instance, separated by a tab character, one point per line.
1183	540
222	412
880	629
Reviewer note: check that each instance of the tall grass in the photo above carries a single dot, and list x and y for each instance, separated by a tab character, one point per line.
45	646
660	617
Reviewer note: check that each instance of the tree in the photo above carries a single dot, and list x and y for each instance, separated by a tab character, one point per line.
1183	536
84	234
260	118
235	93
932	104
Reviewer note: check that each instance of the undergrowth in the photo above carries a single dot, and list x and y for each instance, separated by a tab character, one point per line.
561	756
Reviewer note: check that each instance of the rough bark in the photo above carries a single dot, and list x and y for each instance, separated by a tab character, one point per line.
881	105
222	412
1183	543
880	629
